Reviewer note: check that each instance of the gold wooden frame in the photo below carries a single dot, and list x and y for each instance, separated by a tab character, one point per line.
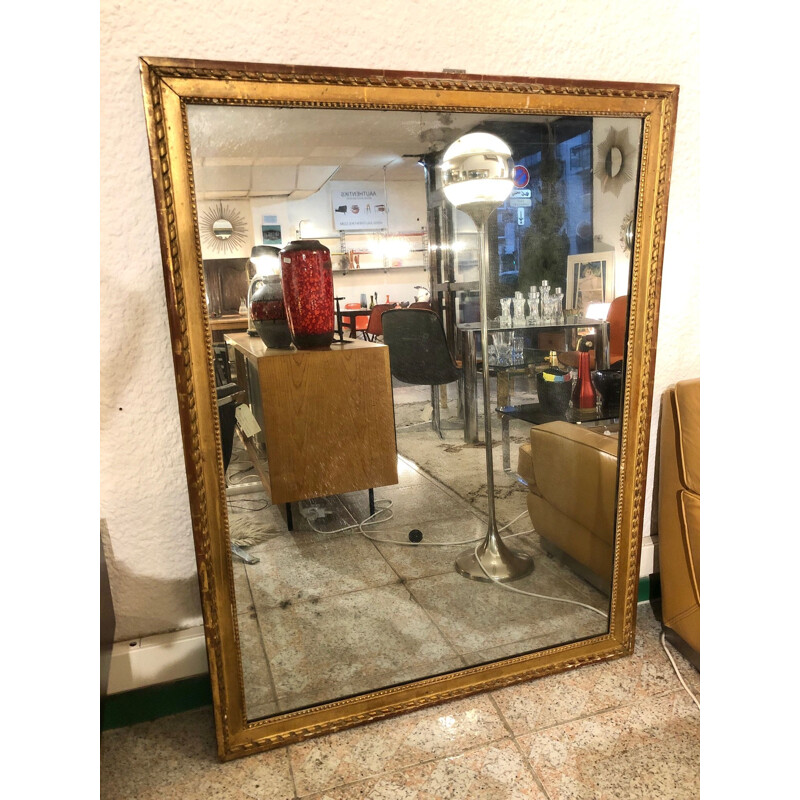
168	86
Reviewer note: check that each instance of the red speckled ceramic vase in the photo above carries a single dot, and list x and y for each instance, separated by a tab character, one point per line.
307	279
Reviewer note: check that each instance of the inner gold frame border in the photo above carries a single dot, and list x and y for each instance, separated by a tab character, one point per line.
169	86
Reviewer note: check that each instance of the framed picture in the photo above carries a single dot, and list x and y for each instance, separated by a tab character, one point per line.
271	234
590	279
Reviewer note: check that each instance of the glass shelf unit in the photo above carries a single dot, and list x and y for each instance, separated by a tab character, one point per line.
351	251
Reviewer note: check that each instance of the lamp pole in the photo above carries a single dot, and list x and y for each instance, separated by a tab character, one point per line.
477	178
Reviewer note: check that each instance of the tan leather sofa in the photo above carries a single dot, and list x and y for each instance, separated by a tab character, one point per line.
571	471
679	516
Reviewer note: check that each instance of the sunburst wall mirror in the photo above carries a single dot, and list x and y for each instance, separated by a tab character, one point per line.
616	161
223	229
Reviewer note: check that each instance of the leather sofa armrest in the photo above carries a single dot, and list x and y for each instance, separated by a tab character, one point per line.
679	510
575	470
687	420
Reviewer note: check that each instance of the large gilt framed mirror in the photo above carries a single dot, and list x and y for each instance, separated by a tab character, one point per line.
322	609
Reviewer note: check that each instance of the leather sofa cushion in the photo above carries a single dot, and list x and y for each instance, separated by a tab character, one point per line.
575	469
679	510
690	512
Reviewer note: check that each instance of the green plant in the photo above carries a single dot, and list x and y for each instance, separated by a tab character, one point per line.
545	246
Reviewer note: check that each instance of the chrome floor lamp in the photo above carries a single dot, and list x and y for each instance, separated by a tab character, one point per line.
477	176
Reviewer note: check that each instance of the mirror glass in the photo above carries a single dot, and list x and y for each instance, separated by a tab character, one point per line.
337	499
222	229
353	592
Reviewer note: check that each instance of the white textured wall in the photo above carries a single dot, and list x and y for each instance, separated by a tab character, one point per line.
407	213
143	487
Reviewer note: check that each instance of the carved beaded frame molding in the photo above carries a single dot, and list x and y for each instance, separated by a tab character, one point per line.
169	85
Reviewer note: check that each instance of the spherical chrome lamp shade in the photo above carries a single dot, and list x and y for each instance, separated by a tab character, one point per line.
477	174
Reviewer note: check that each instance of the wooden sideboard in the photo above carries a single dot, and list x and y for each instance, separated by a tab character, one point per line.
326	415
227	324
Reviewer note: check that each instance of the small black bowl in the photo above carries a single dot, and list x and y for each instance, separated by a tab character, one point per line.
608	383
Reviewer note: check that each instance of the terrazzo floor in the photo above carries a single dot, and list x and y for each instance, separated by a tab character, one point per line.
623	729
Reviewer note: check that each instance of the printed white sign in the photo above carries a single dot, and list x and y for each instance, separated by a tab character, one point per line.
359	207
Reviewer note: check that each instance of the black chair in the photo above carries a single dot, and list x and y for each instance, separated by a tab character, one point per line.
418	352
227	400
229	395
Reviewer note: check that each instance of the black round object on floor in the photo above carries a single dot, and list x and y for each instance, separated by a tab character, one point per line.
415	535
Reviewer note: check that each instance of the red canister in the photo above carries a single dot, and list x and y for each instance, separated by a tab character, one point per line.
307	279
584	396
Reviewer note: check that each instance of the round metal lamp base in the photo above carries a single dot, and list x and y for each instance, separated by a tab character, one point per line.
501	563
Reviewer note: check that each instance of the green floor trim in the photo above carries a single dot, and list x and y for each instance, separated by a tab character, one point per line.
649	588
152	702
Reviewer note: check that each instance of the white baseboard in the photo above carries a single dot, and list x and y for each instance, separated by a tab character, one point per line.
649	563
162	658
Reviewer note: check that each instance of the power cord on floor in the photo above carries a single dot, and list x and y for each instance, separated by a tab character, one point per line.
231	482
235	491
311	513
677	672
246	505
420	543
534	594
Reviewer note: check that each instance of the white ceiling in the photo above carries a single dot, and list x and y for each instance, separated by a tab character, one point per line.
244	151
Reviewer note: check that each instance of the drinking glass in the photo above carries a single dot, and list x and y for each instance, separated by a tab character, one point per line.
502	342
518	349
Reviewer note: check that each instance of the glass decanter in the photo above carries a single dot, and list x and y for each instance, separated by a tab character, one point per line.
505	312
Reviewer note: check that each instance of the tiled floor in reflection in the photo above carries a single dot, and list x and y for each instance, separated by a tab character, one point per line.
622	729
327	613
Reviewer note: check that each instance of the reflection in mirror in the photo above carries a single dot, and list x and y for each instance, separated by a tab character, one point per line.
343	591
222	229
333	488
